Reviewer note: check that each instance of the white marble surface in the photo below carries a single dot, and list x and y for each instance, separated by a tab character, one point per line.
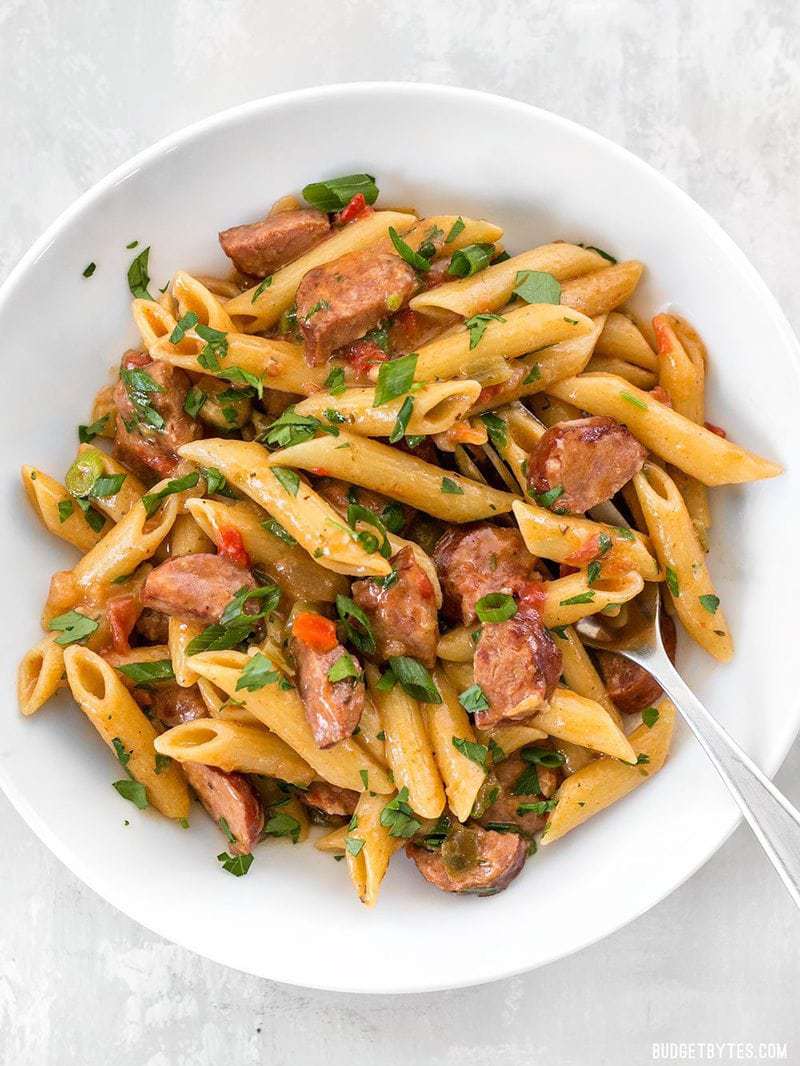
709	92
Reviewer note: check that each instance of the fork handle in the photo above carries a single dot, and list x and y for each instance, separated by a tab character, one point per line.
772	818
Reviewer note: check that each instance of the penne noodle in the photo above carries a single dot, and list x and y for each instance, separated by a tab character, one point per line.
550	410
220	707
447	722
436	408
153	321
509	738
369	728
45	495
492	288
602	291
622	339
187	538
365	462
408	747
116	716
692	448
281	711
565	601
636	375
234	746
332	843
576	541
581	721
130	492
192	295
519	331
475	231
40	675
181	634
695	496
579	671
369	848
261	307
679	552
288	565
604	781
301	511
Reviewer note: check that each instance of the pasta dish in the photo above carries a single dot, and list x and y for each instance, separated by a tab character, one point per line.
338	517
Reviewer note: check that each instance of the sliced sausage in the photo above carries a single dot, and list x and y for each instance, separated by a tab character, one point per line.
517	664
481	862
145	449
122	613
333	708
474	560
259	248
630	686
589	459
153	626
403	615
171	704
505	809
330	800
229	796
196	588
341	300
395	516
408	329
224	795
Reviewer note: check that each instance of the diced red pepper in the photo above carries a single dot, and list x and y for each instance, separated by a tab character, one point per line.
663	332
231	546
317	632
720	432
533	593
122	613
583	555
660	394
357	208
364	354
320	471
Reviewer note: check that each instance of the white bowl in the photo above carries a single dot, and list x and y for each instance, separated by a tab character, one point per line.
295	918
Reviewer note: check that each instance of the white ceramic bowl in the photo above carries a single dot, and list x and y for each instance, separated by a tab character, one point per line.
294	918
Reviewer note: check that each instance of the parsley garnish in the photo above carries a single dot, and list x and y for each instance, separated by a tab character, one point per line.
476	326
401	422
398	817
289	479
133	791
474	752
473	699
650	716
405	251
138	278
261	288
73	627
709	603
145	673
458	227
89	270
86	434
451	487
153	500
238	865
188	321
537	287
395	378
583	597
414	678
258	672
334	382
672	582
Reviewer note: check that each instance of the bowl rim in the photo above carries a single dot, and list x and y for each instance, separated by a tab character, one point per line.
263	105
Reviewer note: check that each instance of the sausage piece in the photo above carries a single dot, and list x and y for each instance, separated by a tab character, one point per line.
259	248
333	708
403	616
329	799
196	588
505	809
153	626
517	664
474	560
630	686
339	301
146	449
224	795
483	863
590	459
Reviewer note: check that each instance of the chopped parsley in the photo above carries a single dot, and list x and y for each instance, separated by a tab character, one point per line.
476	753
537	287
477	325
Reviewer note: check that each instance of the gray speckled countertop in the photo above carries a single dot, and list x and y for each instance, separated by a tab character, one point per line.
706	90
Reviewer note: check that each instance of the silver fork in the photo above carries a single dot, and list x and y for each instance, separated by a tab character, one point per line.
775	822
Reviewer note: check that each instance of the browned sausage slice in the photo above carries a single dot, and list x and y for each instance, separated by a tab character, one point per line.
333	708
153	626
474	560
630	686
197	588
339	494
152	449
329	799
258	248
341	300
589	459
505	809
171	704
403	615
484	862
517	664
229	796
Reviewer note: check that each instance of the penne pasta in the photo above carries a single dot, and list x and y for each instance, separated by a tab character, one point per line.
301	511
40	675
622	339
636	375
579	671
186	536
130	492
369	848
448	723
408	747
692	448
69	523
332	843
234	746
576	541
504	740
281	711
288	565
581	721
261	307
193	296
436	408
688	580
604	781
492	288
602	291
154	321
365	462
116	716
181	634
218	706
